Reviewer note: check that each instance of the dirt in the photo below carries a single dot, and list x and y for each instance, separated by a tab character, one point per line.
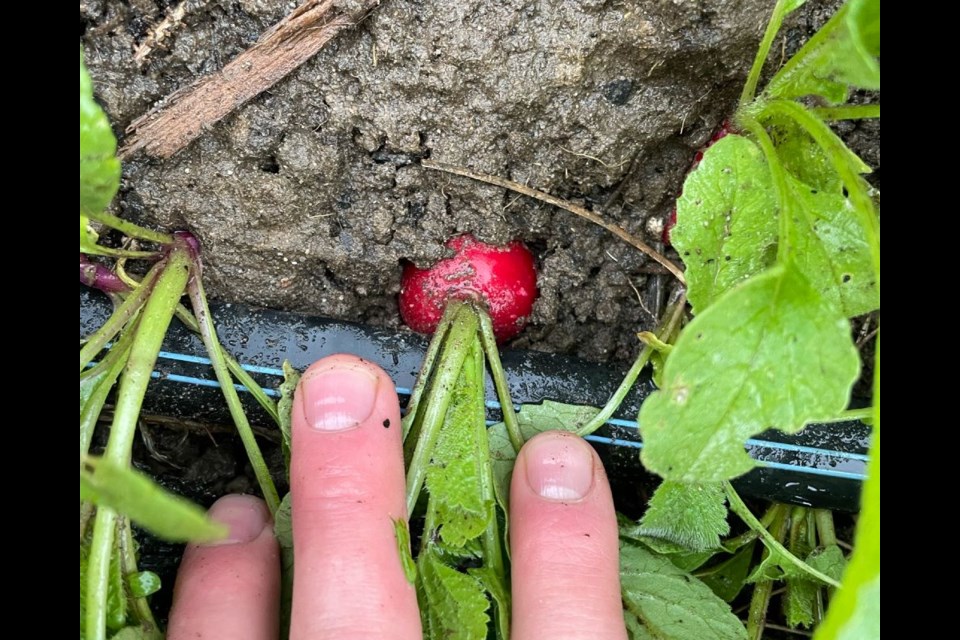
310	196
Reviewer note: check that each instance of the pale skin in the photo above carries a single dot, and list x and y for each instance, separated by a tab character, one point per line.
347	482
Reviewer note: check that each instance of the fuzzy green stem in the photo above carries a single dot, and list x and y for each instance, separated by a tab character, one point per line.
763	589
776	19
491	541
738	507
461	335
848	112
218	360
489	342
672	319
423	378
131	305
129	228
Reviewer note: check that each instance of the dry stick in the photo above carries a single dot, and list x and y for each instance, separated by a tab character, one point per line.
616	230
189	112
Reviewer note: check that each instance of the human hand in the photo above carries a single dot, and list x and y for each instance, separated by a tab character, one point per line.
347	483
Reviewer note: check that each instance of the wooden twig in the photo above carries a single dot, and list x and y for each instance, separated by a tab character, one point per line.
159	33
616	230
188	112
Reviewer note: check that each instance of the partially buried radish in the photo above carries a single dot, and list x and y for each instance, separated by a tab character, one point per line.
503	280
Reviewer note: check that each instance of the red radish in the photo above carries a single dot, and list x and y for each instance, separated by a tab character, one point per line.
722	132
503	279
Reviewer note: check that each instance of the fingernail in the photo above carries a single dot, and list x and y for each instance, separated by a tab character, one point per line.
559	466
338	398
246	517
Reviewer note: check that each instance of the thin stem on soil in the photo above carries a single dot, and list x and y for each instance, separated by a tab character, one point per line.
673	316
489	342
218	360
129	228
462	334
776	19
618	231
110	252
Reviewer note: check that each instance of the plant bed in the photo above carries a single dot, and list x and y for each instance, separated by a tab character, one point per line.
764	277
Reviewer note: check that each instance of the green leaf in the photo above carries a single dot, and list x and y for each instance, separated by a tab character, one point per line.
533	419
672	604
455	471
769	353
453	604
693	516
842	54
143	583
116	594
832	250
800	599
727	578
864	621
635	628
135	495
726	220
291	378
803	158
99	167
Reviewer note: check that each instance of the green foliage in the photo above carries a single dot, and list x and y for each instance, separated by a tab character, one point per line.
670	603
780	238
789	362
453	604
99	166
726	228
727	578
454	474
693	516
843	54
127	491
402	534
802	593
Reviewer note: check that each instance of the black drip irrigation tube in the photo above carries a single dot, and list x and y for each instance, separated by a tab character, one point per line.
823	466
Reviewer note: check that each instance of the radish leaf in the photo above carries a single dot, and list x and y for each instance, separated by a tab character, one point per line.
769	353
670	602
843	53
453	604
99	166
726	220
693	516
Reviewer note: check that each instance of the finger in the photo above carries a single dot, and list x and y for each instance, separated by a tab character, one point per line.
231	588
347	482
563	541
